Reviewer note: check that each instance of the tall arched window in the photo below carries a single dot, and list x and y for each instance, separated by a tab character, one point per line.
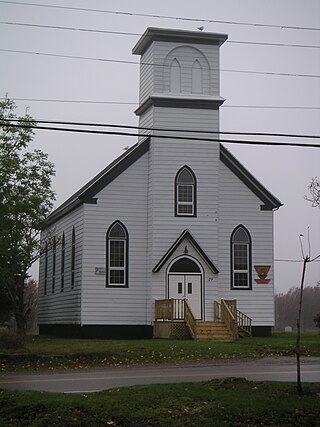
185	193
117	255
63	261
54	254
241	259
73	256
196	77
46	268
175	77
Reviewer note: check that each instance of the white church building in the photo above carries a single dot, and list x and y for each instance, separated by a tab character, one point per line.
174	227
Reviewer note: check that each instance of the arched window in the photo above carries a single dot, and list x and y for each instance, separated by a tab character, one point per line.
175	77
45	268
196	77
185	265
241	259
54	254
63	258
73	256
117	255
185	189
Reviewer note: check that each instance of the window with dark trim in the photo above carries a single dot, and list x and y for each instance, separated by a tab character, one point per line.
54	256
63	255
185	193
241	259
73	256
117	255
45	269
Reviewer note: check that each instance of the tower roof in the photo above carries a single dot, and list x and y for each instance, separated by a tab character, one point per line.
183	36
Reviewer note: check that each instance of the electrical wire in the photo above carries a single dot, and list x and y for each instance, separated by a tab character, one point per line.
123	33
55	55
79	101
146	15
103	132
123	126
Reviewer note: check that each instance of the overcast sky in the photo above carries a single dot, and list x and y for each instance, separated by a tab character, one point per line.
286	172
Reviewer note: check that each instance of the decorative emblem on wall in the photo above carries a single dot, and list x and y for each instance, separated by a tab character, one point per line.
262	271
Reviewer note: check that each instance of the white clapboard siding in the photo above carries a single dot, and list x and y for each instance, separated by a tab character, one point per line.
124	199
146	74
146	121
238	205
62	306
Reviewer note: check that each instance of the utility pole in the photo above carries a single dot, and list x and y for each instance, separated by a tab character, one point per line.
298	345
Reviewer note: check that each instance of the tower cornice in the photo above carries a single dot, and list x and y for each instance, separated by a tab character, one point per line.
197	102
181	36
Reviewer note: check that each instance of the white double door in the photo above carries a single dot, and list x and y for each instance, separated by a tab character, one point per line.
187	286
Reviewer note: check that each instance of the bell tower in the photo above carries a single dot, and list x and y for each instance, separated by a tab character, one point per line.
179	69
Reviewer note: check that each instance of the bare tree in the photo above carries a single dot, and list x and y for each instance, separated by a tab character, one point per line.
314	190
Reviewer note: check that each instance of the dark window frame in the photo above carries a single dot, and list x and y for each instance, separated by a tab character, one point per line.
63	261
193	185
248	270
54	262
45	288
73	257
125	268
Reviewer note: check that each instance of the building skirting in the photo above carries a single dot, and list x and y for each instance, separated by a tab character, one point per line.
261	331
160	330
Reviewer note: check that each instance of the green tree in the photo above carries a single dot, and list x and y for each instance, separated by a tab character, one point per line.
26	198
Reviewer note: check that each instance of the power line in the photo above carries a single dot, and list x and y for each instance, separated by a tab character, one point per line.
146	15
80	101
177	137
55	55
293	260
123	33
123	126
76	101
58	27
274	44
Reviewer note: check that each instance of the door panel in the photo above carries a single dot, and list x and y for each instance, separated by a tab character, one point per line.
187	286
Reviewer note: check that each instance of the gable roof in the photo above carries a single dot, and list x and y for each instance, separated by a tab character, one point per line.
185	235
270	202
88	191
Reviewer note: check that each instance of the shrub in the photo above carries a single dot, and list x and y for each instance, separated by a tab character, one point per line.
317	320
10	340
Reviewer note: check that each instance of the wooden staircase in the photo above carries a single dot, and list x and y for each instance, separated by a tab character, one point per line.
228	324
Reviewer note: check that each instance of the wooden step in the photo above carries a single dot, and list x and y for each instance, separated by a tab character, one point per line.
214	331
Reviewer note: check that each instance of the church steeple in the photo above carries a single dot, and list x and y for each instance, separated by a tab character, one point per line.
179	69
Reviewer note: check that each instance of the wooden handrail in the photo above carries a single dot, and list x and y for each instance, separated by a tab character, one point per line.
163	309
244	323
169	309
229	319
216	311
190	319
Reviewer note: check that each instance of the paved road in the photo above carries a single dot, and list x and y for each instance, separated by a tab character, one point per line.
90	380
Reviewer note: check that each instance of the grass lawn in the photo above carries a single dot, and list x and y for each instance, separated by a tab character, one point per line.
49	352
212	403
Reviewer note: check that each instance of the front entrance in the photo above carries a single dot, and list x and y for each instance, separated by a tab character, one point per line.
185	282
188	287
